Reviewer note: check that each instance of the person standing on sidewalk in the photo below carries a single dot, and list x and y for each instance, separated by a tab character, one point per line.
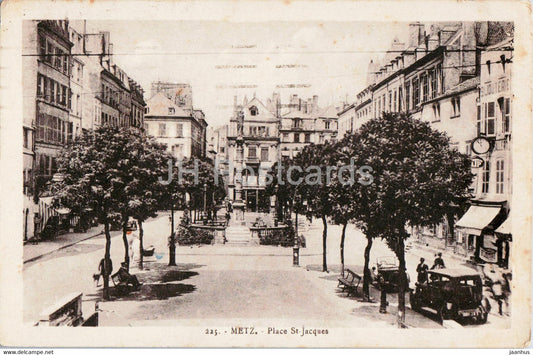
422	270
105	268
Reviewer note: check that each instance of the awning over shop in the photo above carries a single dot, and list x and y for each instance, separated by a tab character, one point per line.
505	228
477	218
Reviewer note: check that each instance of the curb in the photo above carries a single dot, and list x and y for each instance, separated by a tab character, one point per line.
61	247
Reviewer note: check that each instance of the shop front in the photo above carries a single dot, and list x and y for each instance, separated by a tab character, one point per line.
478	228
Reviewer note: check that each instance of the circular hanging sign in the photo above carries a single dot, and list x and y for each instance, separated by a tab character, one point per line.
477	162
481	145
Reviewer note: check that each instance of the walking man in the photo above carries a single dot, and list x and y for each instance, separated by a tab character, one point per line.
422	270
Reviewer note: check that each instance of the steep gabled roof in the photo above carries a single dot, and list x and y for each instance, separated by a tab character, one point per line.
159	104
263	113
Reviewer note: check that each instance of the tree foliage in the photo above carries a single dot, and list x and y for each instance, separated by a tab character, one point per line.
416	177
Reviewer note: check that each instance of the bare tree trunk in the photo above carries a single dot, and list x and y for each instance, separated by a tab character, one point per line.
366	272
324	240
126	244
141	247
343	235
107	258
402	281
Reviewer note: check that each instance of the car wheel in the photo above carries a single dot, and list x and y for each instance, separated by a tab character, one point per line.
415	302
483	315
441	314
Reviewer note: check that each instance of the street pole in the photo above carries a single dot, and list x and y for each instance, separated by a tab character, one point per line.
205	203
296	248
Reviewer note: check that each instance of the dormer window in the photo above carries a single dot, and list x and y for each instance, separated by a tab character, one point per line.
171	111
254	111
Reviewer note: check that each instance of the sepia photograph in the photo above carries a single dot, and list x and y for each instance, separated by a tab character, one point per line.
254	178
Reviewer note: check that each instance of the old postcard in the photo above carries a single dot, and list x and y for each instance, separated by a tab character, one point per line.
265	174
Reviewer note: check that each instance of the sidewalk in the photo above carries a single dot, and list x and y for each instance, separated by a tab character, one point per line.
32	252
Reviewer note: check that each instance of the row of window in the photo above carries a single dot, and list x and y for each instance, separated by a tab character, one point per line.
46	165
252	153
494	117
421	88
500	177
110	96
53	92
163	132
259	131
51	129
54	55
111	120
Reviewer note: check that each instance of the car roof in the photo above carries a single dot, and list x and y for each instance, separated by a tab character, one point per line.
456	272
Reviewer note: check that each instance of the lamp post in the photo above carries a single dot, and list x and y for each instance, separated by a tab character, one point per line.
205	204
296	248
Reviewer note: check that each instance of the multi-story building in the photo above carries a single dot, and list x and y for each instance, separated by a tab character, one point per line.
346	120
261	139
363	108
485	227
181	128
304	122
47	102
440	76
270	134
69	84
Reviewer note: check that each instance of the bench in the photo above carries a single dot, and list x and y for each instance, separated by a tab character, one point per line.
121	285
349	282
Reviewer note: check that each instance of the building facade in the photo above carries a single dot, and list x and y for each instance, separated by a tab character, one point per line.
303	122
261	144
273	131
181	128
451	75
69	84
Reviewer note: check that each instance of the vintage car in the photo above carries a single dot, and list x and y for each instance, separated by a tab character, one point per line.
387	273
452	294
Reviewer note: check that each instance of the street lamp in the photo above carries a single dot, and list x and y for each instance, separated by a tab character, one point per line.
296	248
204	217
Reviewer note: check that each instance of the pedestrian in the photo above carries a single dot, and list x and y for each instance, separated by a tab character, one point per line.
422	270
438	263
105	268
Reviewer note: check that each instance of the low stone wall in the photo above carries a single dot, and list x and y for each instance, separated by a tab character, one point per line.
279	236
217	233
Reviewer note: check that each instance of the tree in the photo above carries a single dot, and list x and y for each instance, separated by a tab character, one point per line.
148	162
91	178
315	188
352	201
343	205
193	176
416	176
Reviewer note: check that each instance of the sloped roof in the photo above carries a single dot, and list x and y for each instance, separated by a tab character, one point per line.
159	104
264	114
299	114
329	112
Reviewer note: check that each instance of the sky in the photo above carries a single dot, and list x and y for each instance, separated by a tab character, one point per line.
221	59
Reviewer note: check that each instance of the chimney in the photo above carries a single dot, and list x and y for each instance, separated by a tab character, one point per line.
315	102
416	34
